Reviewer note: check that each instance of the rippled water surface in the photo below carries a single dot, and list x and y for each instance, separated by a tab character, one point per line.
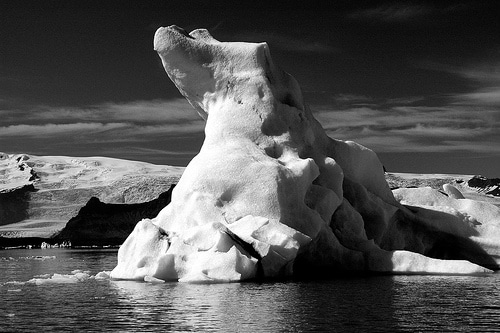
63	290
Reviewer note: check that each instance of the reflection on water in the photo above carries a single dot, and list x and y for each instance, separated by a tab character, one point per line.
383	303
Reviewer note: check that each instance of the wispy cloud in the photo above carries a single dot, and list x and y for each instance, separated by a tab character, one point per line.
287	42
158	131
485	76
486	71
58	129
404	12
137	121
100	132
152	111
404	128
392	13
144	151
436	132
468	121
483	96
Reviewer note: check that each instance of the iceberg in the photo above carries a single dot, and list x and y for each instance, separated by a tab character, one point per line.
270	195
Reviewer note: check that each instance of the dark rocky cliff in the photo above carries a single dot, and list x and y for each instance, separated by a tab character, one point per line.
100	224
489	186
14	205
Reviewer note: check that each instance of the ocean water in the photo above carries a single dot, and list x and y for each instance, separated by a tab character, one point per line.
63	290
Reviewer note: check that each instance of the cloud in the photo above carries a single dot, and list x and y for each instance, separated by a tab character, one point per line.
429	131
143	151
152	111
462	122
399	12
417	141
135	123
484	73
404	12
140	117
487	76
484	96
351	99
287	43
149	132
402	116
390	127
484	76
99	132
58	129
171	111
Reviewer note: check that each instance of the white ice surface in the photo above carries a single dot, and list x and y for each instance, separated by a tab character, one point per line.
270	194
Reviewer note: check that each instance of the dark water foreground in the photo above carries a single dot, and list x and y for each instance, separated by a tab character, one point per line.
62	290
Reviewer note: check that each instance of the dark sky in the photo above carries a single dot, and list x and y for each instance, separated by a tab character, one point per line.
418	81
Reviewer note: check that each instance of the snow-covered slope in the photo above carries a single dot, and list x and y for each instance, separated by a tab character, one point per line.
271	195
39	194
470	186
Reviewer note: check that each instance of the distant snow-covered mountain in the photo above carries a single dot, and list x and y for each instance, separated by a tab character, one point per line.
472	187
40	194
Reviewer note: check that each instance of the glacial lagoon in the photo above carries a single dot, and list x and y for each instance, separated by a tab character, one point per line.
63	290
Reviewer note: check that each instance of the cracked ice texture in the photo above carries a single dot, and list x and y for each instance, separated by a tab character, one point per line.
270	194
